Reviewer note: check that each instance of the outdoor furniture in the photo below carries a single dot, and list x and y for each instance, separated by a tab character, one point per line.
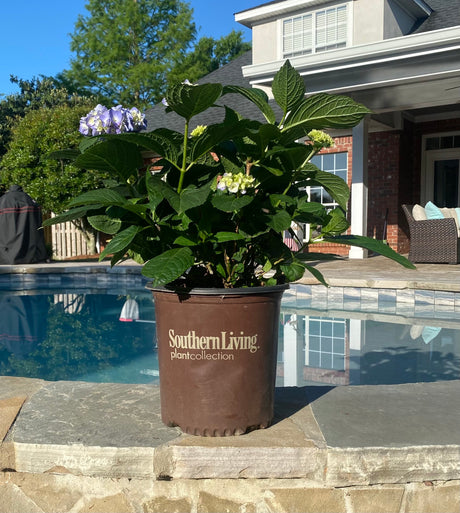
432	240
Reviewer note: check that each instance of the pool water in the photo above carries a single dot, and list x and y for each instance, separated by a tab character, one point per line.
105	337
78	337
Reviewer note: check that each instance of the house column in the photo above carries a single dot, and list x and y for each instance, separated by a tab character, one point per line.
359	185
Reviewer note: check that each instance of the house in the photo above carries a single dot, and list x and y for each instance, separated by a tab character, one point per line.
401	58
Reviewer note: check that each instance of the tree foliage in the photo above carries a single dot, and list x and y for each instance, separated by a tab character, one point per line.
50	182
37	93
128	51
125	50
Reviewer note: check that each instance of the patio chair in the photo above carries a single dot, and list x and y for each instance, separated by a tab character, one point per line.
432	240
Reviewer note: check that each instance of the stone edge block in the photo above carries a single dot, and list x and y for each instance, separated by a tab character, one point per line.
374	465
131	462
189	462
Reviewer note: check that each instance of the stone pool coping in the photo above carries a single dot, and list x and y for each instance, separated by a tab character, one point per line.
334	437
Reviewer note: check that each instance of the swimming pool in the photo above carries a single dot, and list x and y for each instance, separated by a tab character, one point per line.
101	328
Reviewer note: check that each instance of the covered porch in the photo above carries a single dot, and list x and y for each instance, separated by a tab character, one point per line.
408	150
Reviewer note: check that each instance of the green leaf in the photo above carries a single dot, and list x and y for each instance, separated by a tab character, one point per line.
336	224
280	221
256	96
164	143
288	87
86	142
231	203
168	266
374	245
263	136
105	224
287	159
228	236
158	188
184	241
153	190
312	257
113	156
231	166
121	241
192	197
311	207
69	215
189	100
293	271
282	198
317	274
69	154
214	135
102	197
321	111
333	184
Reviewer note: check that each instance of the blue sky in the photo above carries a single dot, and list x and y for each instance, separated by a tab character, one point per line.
34	38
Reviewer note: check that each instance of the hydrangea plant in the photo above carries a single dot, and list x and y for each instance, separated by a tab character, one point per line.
214	213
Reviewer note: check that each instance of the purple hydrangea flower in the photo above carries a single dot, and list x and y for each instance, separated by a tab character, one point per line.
116	120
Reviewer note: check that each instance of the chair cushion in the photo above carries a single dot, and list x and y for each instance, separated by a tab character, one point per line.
432	211
452	212
418	213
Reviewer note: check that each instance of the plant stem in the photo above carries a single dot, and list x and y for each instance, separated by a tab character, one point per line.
184	159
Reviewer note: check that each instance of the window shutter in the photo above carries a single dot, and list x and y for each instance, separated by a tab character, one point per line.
307	34
287	37
342	25
320	29
331	26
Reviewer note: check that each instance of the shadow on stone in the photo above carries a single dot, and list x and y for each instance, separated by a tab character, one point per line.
289	400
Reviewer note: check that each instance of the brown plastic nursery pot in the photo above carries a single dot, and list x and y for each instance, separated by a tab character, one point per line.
217	352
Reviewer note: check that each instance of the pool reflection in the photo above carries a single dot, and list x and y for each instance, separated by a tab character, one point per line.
317	350
104	337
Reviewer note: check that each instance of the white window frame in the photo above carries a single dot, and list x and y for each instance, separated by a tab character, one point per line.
332	321
315	16
429	157
330	206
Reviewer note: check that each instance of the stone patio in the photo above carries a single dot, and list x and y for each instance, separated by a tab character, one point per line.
80	447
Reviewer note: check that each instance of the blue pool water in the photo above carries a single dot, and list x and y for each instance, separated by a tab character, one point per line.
333	337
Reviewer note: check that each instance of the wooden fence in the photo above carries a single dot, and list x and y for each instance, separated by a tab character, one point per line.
67	241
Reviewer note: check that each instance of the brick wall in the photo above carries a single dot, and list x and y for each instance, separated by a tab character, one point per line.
383	186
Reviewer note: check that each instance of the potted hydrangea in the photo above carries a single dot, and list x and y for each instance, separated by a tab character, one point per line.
208	228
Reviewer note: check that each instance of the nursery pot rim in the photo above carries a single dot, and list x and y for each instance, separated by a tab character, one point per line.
211	291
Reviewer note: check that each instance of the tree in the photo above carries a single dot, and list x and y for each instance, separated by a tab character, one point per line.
34	94
208	55
50	182
126	49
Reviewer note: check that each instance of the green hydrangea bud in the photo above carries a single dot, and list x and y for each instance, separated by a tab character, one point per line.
199	130
320	139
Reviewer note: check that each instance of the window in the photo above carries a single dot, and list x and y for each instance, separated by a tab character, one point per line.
318	31
335	163
326	343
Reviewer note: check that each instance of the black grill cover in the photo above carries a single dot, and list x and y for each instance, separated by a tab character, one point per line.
21	241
